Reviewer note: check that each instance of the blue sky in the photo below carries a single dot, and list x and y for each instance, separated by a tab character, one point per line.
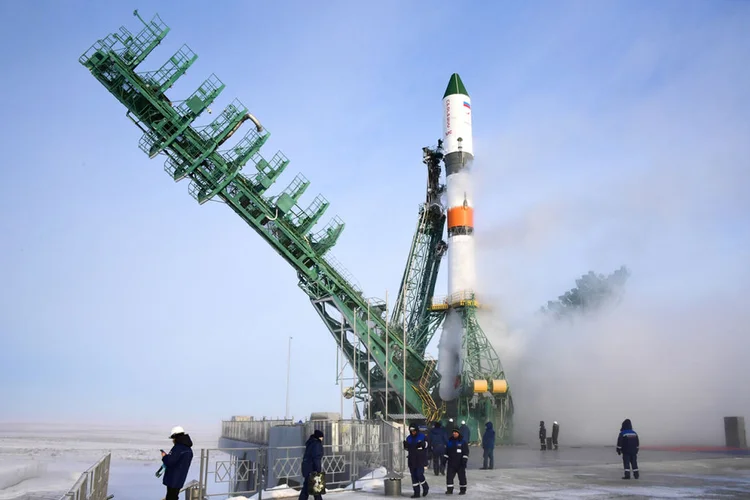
606	133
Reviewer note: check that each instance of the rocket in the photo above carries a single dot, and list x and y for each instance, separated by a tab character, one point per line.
458	153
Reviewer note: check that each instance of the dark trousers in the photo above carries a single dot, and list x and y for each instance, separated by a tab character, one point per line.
173	493
489	456
417	479
544	444
304	495
630	462
452	474
438	463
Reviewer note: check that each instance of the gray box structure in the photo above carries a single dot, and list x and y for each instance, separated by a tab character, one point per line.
734	432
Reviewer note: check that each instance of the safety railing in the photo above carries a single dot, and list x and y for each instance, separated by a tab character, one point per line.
93	483
249	471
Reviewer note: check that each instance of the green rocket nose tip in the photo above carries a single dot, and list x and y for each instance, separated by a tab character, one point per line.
455	86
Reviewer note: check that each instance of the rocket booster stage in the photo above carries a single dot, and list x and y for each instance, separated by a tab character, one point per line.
458	146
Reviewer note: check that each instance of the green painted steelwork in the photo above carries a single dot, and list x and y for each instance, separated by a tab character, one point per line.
358	325
193	152
412	307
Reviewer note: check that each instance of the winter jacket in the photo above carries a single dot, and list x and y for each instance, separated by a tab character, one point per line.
627	440
457	452
488	440
465	432
555	431
177	462
417	448
542	432
312	457
438	439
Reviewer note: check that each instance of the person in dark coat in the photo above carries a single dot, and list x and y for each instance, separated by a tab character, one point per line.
555	433
627	445
177	462
488	447
457	453
311	462
543	435
438	439
416	444
465	431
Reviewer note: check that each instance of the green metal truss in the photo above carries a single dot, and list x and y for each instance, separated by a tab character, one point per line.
412	307
481	362
358	325
193	152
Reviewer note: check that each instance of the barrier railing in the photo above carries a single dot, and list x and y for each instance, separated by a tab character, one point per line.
351	449
93	483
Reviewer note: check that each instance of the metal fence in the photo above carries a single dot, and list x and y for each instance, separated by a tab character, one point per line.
351	450
251	431
93	483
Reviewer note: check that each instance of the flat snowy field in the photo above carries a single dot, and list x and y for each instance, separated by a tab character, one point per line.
43	461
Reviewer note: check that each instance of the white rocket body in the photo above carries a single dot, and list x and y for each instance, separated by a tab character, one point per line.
458	146
458	150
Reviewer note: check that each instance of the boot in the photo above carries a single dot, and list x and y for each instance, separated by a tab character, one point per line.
627	475
449	491
425	488
635	474
462	491
416	492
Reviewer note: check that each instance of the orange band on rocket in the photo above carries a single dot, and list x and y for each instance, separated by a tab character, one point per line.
460	217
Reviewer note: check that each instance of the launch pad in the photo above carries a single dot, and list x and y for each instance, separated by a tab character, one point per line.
394	376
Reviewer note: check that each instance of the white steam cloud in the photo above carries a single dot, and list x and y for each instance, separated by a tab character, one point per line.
657	182
450	355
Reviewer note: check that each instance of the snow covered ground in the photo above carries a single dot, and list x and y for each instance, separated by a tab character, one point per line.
41	463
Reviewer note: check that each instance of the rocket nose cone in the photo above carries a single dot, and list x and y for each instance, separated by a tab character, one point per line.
455	86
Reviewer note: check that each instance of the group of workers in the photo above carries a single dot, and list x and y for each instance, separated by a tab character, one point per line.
446	452
449	454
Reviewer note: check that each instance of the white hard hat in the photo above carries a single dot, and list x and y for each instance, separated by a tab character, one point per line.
555	422
450	420
177	430
463	422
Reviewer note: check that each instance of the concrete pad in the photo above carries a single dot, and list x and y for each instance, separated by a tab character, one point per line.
594	473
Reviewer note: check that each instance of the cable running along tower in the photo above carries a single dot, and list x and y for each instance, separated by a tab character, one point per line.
219	172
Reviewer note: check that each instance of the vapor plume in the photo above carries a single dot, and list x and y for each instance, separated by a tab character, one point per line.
450	355
659	183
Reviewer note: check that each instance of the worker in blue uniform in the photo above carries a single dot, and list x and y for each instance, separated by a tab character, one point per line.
457	453
416	444
627	446
438	439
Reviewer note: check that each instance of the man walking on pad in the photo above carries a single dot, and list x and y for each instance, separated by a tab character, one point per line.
311	462
177	462
457	453
627	445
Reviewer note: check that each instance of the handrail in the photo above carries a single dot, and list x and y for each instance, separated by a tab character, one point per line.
93	482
